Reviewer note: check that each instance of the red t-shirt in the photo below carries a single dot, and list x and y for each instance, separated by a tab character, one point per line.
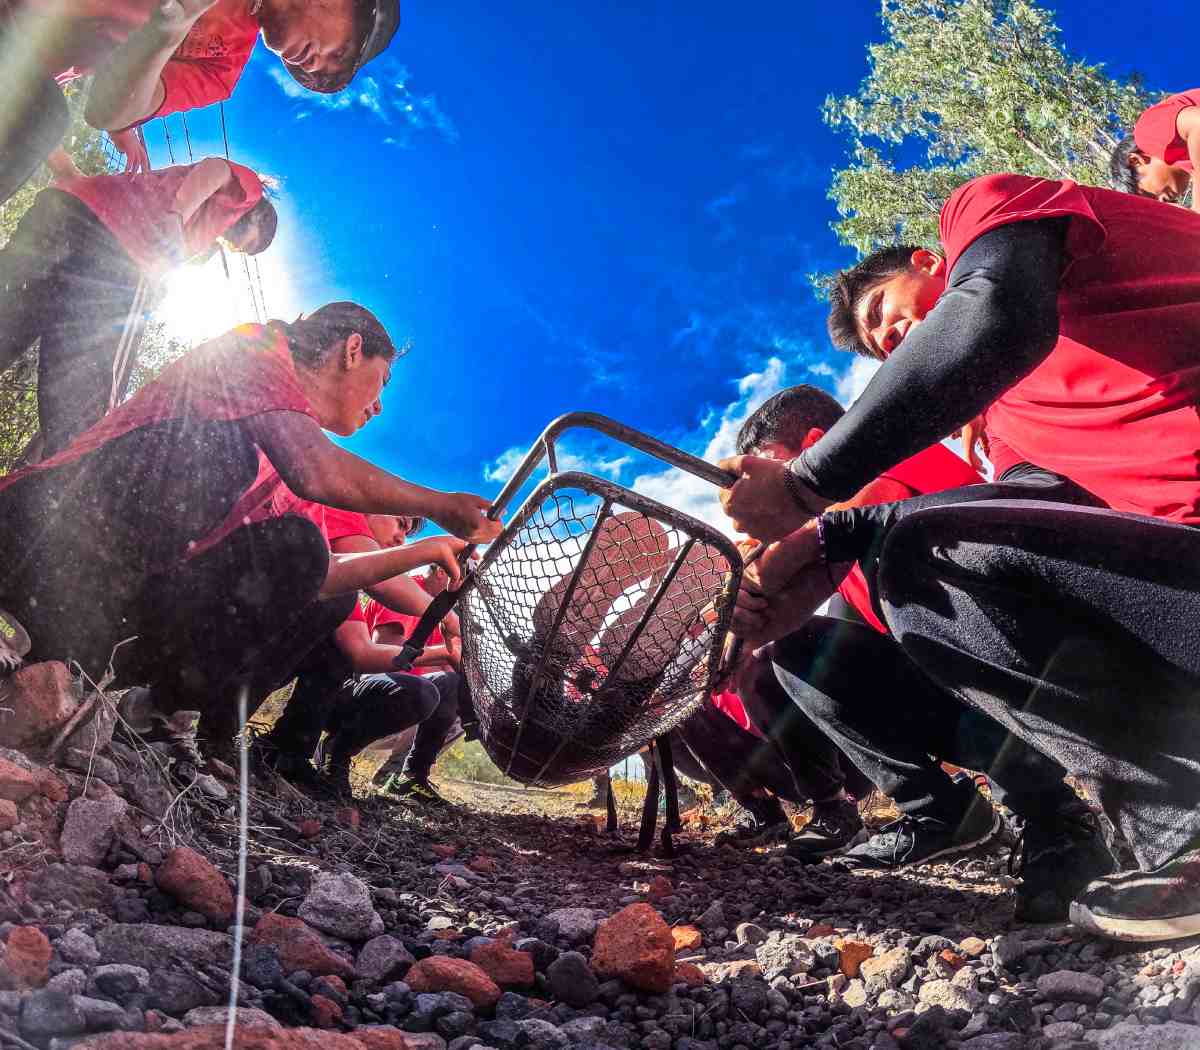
936	469
137	210
333	523
76	37
1157	134
731	706
1116	405
241	374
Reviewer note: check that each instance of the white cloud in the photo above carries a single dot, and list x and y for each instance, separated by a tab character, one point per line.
386	95
693	495
505	465
854	380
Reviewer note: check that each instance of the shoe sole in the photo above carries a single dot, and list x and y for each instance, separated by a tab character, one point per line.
1139	931
953	850
813	855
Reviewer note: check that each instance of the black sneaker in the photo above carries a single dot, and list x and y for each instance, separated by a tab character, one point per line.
834	827
1158	905
760	820
420	792
918	840
1056	859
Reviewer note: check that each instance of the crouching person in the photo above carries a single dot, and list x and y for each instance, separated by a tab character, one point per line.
152	528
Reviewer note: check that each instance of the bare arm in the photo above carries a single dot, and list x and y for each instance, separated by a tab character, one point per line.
355	572
205	179
365	656
316	469
128	87
401	594
1188	126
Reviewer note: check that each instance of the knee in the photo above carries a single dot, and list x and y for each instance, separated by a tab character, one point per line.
426	698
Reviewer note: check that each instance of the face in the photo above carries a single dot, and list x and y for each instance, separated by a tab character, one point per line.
436	580
360	381
1165	182
248	239
390	530
315	39
888	311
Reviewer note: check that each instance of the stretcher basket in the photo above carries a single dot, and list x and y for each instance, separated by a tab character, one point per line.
594	624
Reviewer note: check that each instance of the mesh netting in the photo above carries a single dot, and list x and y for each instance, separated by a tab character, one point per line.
593	629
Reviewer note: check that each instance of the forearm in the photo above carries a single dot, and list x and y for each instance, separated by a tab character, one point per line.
996	321
128	87
349	482
365	570
1193	147
205	179
401	594
435	654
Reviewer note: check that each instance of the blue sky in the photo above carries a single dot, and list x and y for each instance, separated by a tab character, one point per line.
604	206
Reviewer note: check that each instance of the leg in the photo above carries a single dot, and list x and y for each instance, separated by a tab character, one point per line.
34	121
434	727
320	677
1055	620
376	706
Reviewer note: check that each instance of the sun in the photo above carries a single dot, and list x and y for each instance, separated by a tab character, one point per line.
201	301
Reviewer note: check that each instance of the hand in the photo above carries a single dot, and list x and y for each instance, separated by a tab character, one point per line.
780	561
758	619
759	502
176	17
451	628
443	551
62	166
975	440
454	652
465	516
129	142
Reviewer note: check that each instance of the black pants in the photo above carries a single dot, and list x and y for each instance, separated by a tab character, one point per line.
66	281
93	555
897	725
1075	628
34	122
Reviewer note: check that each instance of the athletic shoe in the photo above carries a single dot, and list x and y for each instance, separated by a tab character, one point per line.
760	820
412	790
1158	905
1056	859
835	826
14	643
918	840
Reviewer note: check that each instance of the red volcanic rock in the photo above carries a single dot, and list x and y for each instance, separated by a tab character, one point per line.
636	945
16	784
193	881
212	1037
325	1012
689	974
9	817
38	699
440	973
299	947
505	965
660	888
25	964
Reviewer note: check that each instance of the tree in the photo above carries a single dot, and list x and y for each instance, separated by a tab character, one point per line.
980	86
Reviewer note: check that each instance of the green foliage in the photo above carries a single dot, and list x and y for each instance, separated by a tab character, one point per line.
980	86
467	760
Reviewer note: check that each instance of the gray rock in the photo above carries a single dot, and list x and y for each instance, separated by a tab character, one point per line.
48	1013
97	765
78	947
712	918
247	1016
1063	1030
542	1033
89	829
887	970
383	958
340	904
74	886
153	947
100	1014
1071	987
949	996
994	1041
784	953
1169	1036
581	1029
176	993
572	980
895	1001
574	925
147	790
749	933
118	980
72	982
855	993
10	1002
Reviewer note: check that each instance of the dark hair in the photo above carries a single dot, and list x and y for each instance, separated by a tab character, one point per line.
851	285
787	417
333	82
266	216
1123	175
311	338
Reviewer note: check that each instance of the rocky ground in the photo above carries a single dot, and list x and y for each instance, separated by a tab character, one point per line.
510	922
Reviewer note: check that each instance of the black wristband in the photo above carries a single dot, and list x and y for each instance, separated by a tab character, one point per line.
800	491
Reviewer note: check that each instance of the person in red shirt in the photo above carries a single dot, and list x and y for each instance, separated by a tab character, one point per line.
1159	158
1070	315
845	677
149	58
84	260
156	523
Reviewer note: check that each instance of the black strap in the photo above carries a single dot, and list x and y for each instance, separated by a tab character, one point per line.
611	803
650	808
